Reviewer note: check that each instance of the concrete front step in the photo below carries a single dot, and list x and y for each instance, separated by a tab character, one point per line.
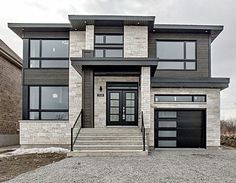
108	134
109	142
102	153
108	147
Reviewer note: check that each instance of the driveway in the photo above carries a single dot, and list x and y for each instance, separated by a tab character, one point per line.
161	166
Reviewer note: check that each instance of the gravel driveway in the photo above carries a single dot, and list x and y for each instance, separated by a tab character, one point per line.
161	166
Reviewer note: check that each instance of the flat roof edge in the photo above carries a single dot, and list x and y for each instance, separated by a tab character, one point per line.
189	26
110	17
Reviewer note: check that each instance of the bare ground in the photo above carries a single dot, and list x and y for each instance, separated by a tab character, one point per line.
13	166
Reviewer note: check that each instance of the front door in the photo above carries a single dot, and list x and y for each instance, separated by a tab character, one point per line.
122	107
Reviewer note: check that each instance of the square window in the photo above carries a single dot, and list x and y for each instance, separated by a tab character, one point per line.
190	65
99	53
34	115
34	64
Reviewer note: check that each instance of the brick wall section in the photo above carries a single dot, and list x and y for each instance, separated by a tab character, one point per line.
10	96
212	106
135	41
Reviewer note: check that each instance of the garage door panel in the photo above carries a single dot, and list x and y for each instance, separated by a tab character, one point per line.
190	143
186	127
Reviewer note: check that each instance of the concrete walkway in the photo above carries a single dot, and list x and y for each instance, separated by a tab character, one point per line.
182	166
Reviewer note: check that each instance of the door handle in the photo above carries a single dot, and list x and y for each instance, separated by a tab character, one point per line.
123	113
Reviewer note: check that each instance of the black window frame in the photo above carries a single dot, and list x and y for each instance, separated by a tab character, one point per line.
108	46
176	95
41	59
40	110
184	61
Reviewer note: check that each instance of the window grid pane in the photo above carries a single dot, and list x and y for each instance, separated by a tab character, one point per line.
55	63
162	65
170	50
34	97
34	48
55	48
167	114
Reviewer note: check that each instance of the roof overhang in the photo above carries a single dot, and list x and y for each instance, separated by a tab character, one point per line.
220	83
20	28
77	62
10	55
79	22
213	30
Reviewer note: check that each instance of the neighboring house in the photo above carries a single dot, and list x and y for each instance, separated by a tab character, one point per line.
10	95
104	72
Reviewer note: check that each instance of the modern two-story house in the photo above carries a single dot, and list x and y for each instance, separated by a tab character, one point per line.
119	84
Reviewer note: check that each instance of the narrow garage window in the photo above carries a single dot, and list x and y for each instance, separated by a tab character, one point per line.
180	98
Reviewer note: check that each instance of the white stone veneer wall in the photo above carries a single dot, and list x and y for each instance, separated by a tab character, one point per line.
44	132
77	44
212	107
135	41
145	95
100	102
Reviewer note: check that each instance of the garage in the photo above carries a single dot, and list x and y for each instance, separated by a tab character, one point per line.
177	128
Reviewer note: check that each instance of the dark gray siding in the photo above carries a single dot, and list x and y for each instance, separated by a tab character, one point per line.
108	30
88	98
203	51
46	77
50	35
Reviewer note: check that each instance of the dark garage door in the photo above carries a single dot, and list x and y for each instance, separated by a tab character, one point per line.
180	128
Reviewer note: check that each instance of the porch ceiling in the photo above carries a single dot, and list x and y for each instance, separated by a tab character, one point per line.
77	62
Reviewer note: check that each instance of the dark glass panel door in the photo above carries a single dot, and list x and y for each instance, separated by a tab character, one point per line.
122	107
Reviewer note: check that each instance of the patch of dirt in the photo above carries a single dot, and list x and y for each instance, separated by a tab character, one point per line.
13	166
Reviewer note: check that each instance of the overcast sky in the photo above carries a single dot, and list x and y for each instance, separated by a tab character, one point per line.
222	12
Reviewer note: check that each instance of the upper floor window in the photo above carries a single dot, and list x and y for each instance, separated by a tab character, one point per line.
49	54
108	46
176	55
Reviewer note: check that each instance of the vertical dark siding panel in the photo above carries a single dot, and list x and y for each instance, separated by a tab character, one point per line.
25	102
203	46
88	98
108	30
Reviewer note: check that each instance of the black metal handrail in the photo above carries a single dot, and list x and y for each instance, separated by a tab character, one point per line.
143	133
80	116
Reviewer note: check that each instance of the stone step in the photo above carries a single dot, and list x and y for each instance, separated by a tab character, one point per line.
109	137
108	147
109	142
102	153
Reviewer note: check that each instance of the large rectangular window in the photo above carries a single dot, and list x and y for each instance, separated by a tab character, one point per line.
176	55
110	46
180	98
49	54
48	102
